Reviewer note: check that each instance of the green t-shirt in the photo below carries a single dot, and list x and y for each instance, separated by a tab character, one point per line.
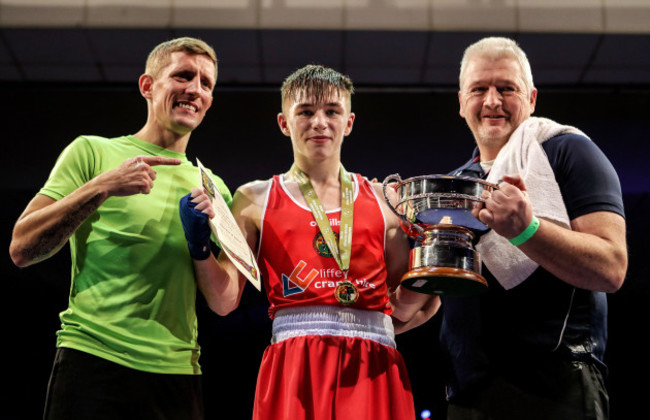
132	298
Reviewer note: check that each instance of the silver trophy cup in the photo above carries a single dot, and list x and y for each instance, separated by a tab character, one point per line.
439	213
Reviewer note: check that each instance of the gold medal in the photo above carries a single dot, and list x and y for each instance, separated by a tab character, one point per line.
346	293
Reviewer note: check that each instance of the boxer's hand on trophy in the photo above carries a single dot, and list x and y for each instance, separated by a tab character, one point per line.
195	210
507	210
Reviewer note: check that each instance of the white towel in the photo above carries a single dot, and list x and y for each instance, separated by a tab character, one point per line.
523	154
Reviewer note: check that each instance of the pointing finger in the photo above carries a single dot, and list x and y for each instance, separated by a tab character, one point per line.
158	160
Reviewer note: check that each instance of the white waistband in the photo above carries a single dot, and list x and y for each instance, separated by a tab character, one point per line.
330	320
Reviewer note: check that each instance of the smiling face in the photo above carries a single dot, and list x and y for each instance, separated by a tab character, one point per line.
317	126
181	93
494	100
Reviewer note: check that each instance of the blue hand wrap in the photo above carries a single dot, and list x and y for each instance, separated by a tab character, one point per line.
196	227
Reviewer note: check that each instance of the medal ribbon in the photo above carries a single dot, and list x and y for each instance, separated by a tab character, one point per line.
341	251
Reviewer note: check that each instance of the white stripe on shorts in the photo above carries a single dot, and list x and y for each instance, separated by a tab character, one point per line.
330	320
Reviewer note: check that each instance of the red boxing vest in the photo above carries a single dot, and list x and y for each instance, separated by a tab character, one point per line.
296	265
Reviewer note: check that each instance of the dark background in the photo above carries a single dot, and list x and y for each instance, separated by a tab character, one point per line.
410	131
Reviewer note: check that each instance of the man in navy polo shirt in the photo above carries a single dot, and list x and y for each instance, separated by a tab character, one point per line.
532	346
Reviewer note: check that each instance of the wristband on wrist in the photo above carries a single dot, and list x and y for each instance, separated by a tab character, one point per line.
197	230
199	251
527	233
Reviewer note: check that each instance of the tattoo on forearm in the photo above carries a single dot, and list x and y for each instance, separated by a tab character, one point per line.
54	237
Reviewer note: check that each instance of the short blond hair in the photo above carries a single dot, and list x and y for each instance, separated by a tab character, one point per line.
160	56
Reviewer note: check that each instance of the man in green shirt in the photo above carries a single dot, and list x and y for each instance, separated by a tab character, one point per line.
127	347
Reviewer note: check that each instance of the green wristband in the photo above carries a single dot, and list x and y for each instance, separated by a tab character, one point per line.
527	233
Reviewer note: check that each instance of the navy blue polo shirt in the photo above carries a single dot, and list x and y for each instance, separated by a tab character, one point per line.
543	317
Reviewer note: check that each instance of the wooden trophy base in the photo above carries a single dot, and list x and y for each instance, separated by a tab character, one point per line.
444	281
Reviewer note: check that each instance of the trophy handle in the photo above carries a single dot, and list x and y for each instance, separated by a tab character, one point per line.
405	222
